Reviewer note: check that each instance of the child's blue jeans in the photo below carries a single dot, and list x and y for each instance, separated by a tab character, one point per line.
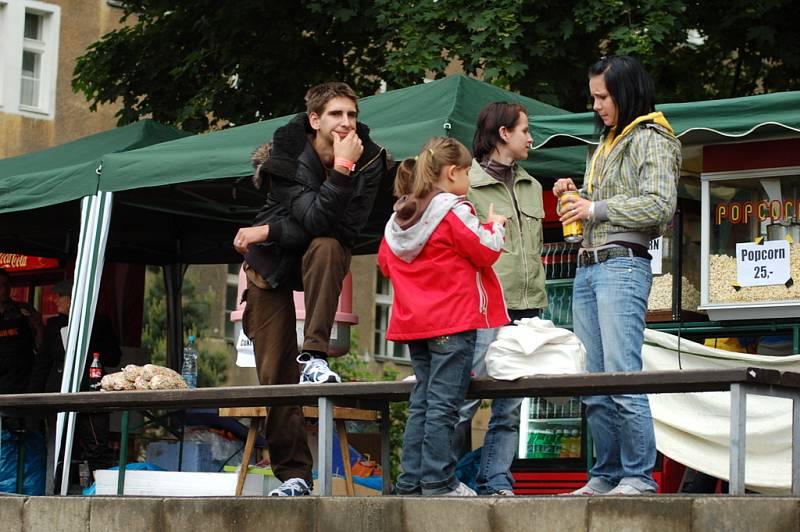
441	366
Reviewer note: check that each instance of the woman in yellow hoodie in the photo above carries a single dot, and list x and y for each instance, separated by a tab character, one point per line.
629	194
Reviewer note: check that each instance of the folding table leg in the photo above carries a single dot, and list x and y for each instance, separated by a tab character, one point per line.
21	437
344	447
738	439
386	459
325	447
123	453
246	454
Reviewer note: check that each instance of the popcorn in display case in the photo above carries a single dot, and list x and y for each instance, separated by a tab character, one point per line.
676	255
751	243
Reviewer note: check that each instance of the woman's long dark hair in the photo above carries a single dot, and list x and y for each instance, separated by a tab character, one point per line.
629	84
487	132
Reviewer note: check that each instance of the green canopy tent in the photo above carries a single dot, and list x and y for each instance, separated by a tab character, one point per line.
762	117
39	205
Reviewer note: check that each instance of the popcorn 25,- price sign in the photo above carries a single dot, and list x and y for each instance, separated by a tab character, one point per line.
763	264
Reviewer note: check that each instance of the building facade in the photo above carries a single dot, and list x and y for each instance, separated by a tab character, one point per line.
39	43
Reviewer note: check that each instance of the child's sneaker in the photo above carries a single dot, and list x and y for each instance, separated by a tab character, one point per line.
316	370
462	490
294	487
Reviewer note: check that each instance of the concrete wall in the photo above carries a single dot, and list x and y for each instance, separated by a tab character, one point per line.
82	23
397	514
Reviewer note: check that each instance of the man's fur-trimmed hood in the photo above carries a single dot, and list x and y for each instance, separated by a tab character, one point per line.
279	155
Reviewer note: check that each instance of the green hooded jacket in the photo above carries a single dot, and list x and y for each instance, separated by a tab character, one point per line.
519	267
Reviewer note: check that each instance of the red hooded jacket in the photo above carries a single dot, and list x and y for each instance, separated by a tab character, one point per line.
439	259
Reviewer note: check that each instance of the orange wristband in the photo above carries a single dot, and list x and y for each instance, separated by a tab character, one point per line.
344	163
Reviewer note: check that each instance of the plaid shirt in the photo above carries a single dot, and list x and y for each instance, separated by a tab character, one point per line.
638	181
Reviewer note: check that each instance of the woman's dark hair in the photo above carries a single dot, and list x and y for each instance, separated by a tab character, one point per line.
629	84
490	120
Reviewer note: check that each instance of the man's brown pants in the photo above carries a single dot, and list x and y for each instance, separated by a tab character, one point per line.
269	321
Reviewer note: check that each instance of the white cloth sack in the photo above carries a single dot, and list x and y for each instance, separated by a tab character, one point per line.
534	347
694	428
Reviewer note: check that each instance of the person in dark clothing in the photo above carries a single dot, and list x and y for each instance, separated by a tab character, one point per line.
21	337
92	431
103	341
321	172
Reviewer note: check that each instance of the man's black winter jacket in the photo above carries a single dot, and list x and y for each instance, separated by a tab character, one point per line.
303	203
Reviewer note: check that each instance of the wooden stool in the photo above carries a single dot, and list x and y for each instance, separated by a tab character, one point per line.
340	415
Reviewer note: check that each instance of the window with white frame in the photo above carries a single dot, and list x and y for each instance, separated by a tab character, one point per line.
383	308
29	32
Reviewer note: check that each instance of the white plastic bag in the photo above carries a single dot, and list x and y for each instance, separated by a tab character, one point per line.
534	347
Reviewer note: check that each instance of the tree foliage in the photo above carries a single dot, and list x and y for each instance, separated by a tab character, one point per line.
211	363
542	49
204	63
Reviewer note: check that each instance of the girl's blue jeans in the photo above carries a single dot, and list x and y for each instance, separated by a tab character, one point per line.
441	366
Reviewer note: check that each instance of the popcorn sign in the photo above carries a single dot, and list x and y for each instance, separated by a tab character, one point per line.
763	264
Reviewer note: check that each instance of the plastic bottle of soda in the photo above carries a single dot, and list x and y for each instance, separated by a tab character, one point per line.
531	445
546	250
558	444
576	443
95	373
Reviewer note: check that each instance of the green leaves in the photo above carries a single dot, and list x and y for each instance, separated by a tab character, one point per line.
174	63
176	60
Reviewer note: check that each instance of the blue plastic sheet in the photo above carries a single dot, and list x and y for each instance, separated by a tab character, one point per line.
35	462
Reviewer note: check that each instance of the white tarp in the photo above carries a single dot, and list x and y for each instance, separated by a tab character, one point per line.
694	428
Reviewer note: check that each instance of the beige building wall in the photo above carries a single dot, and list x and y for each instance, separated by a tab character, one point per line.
82	22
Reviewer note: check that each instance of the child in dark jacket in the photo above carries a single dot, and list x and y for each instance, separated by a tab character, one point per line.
439	258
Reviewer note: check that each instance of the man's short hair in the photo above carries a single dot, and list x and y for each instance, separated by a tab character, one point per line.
63	288
319	95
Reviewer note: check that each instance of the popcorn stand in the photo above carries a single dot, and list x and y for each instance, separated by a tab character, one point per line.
750	264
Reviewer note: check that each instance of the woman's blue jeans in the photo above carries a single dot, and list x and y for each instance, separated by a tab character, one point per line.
441	366
609	307
502	437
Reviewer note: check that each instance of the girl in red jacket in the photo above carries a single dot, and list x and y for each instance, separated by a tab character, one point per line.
439	258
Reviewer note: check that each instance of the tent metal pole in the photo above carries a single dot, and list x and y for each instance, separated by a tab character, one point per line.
85	290
173	284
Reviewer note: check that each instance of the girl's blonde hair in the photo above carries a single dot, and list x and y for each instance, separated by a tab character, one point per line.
419	175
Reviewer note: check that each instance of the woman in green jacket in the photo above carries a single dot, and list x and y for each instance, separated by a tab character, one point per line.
502	140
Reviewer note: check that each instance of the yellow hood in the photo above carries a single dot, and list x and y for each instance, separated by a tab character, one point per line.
612	138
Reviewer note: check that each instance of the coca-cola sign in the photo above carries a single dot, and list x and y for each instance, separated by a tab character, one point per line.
12	262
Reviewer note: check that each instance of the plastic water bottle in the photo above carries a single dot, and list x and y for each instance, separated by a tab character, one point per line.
189	369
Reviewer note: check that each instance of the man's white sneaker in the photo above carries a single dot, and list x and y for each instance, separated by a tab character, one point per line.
502	493
462	490
294	487
316	370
